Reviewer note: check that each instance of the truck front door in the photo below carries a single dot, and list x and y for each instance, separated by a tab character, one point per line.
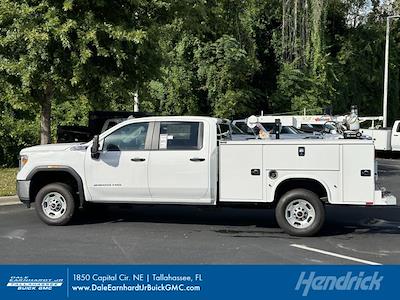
120	172
178	163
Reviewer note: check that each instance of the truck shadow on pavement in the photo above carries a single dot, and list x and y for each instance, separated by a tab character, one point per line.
371	220
341	220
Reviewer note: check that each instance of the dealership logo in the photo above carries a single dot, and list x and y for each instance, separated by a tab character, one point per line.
349	282
26	283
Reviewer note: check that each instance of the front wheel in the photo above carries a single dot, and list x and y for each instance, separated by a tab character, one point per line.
300	213
55	204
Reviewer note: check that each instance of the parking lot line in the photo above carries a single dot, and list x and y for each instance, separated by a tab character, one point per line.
363	261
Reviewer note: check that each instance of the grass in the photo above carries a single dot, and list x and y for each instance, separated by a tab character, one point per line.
7	181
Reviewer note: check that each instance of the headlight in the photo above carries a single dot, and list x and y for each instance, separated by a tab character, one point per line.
23	159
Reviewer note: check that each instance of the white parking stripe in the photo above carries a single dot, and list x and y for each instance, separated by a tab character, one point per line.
304	247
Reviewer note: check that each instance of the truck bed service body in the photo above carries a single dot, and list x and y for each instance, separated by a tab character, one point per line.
182	160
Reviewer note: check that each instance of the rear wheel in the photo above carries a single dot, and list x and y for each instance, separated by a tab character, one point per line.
300	213
55	204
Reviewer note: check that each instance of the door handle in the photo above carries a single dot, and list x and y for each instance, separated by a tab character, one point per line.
136	159
197	159
396	135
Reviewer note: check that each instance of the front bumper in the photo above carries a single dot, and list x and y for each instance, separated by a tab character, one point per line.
23	190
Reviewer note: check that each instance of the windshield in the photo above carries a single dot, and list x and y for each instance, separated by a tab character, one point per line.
226	130
236	130
270	127
243	127
317	127
223	131
290	130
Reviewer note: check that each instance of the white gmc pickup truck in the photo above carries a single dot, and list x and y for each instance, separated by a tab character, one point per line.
184	160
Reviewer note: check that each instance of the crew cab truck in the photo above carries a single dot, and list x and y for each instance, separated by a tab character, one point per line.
180	160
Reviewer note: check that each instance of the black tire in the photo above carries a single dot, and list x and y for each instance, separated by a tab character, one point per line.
311	200
65	213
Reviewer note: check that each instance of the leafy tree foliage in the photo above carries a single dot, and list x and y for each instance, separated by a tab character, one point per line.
52	51
226	69
210	60
226	58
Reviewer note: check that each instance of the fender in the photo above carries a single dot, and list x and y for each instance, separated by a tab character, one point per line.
61	168
299	176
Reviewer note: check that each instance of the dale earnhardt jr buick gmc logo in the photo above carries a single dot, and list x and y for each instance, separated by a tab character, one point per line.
26	283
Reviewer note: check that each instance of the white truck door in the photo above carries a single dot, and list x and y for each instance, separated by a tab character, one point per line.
120	172
395	141
179	163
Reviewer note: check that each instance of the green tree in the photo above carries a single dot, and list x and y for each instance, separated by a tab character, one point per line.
53	51
226	69
356	39
227	58
209	60
18	129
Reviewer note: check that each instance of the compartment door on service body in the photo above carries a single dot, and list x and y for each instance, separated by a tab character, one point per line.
119	174
179	163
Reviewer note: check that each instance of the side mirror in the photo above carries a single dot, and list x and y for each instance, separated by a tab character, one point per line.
95	147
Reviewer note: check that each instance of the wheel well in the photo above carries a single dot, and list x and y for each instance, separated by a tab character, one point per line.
300	183
42	178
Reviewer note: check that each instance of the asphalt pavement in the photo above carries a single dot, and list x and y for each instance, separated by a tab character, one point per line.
190	235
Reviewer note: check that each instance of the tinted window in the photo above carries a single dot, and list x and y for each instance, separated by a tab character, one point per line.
243	126
180	136
223	131
317	127
270	127
111	124
290	130
129	137
236	129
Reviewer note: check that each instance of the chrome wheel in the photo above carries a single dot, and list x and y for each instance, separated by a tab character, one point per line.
300	213
54	205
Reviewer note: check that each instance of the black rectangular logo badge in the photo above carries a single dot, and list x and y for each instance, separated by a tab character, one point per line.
365	173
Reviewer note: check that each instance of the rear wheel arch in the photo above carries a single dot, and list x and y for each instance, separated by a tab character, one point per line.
311	184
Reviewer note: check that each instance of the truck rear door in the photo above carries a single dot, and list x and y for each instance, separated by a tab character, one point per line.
179	163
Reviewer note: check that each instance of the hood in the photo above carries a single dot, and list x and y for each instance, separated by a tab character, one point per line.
48	148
